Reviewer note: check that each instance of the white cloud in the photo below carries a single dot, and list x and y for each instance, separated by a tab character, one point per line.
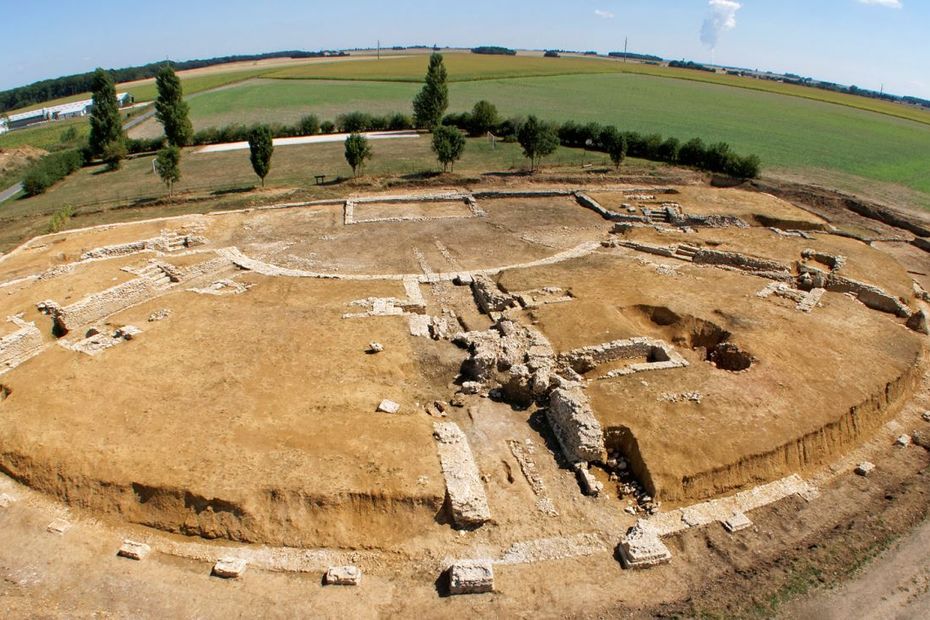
603	14
891	4
722	18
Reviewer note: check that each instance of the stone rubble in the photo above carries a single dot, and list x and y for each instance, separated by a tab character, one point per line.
229	568
903	441
464	490
471	577
343	576
159	315
642	547
6	500
134	550
388	406
58	526
864	468
374	347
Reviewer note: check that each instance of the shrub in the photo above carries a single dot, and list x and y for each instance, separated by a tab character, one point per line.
327	127
309	125
692	153
145	145
448	144
668	150
399	122
60	218
51	169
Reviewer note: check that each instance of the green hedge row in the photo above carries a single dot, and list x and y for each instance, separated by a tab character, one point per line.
51	169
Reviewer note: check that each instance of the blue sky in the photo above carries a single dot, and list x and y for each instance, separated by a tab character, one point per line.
864	42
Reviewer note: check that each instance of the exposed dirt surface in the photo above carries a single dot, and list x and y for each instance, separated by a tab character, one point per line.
16	158
264	384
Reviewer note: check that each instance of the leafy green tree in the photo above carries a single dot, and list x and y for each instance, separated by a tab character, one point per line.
357	152
448	144
484	118
430	103
168	165
614	143
261	146
170	108
538	140
106	128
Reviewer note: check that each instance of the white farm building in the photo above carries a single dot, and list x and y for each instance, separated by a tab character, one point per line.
56	113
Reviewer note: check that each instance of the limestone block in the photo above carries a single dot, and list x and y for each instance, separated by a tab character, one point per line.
388	406
464	490
738	521
419	325
589	484
229	568
642	547
374	347
903	441
471	577
343	576
575	426
865	468
58	526
133	550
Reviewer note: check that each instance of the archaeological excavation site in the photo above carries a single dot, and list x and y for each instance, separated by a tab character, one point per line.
543	400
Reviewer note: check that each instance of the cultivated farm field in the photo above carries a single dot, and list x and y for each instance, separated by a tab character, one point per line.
853	149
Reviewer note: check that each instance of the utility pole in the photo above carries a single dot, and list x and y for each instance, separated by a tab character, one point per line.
626	42
379	49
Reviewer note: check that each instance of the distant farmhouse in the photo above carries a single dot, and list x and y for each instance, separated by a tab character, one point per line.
56	113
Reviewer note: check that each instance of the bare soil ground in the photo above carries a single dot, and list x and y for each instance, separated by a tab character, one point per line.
244	423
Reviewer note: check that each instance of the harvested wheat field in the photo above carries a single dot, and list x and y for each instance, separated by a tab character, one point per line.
558	378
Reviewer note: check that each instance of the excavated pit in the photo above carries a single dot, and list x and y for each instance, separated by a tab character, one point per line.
708	339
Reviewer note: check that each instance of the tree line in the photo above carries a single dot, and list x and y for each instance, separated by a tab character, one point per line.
69	85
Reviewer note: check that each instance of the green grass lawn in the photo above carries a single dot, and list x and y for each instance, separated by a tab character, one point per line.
792	135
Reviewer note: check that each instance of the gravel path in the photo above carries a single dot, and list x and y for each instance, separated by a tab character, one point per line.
335	137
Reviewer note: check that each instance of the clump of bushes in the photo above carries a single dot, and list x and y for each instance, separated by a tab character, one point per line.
51	169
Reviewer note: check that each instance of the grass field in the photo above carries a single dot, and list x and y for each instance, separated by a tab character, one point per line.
791	135
101	197
471	67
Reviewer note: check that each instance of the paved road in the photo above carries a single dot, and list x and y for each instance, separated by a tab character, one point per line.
10	192
139	119
335	137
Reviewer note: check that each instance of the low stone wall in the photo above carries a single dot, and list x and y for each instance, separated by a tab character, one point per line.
19	346
658	355
464	490
103	304
740	261
489	296
578	431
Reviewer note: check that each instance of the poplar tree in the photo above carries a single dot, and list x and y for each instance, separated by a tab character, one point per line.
430	103
107	138
170	108
261	147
